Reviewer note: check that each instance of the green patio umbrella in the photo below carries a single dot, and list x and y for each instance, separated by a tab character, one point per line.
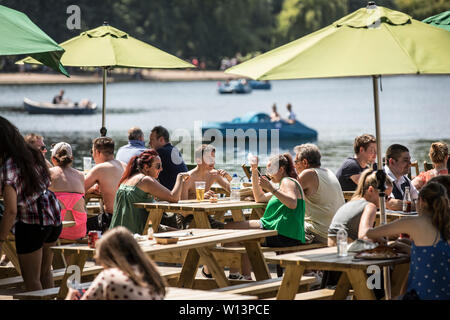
371	41
19	35
108	47
441	20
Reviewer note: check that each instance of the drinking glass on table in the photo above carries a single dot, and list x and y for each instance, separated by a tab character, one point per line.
200	190
87	164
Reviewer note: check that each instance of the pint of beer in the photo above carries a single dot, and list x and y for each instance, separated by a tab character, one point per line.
200	190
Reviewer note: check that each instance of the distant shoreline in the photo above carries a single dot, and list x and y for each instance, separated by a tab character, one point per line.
28	78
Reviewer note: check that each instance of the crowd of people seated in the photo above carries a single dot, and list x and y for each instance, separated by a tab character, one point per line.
305	204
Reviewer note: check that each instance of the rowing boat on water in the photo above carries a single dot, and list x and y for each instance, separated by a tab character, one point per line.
34	107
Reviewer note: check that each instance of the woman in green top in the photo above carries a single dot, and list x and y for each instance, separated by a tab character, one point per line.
285	211
139	184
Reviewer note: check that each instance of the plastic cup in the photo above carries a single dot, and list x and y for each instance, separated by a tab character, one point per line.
87	164
200	190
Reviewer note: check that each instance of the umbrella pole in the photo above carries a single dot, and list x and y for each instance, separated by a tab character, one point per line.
381	180
103	129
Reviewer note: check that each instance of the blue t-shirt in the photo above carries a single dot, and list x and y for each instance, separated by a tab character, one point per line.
172	164
128	151
429	272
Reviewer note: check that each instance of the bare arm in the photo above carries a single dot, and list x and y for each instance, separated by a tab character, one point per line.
309	181
156	189
91	178
286	193
222	181
394	204
9	216
417	182
367	220
355	178
404	225
258	192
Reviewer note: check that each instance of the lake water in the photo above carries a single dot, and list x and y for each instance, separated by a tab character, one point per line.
415	111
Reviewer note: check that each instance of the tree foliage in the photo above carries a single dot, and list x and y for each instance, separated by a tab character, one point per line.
208	29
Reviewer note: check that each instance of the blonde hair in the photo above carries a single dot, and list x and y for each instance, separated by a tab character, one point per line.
435	196
368	179
118	249
438	152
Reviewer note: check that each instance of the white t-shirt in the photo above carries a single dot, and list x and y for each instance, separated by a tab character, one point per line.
291	115
399	182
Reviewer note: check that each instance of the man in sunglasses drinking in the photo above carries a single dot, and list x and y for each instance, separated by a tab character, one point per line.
37	141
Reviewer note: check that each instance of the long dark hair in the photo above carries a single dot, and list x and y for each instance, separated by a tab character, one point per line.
29	160
136	164
118	249
436	198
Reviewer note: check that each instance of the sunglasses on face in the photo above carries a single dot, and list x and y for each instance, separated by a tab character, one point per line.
42	148
158	166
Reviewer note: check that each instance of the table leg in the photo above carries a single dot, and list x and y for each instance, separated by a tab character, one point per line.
201	220
291	281
154	217
213	267
238	215
257	260
257	213
342	288
74	259
218	215
10	251
358	280
399	278
189	270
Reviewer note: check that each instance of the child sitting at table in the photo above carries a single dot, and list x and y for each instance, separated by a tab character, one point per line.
429	273
128	273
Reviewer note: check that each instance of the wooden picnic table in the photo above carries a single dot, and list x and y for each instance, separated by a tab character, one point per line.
198	245
353	272
200	210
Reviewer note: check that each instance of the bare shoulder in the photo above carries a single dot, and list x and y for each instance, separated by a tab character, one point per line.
307	174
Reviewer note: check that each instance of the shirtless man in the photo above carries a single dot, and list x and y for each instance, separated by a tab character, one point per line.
204	171
103	179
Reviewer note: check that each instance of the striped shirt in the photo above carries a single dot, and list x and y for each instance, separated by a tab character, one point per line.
27	205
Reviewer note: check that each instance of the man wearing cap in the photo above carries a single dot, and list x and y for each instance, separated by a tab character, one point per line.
135	146
103	179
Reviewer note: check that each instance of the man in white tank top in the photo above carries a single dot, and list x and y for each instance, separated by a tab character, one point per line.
323	192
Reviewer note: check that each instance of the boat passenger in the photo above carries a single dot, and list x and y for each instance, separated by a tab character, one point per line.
430	251
274	116
103	179
139	184
58	99
30	207
68	186
290	115
365	149
323	193
128	274
439	157
285	211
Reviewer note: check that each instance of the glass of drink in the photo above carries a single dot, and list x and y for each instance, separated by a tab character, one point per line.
87	164
200	190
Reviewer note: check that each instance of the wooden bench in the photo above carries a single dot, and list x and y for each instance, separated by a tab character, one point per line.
235	253
166	272
265	288
57	275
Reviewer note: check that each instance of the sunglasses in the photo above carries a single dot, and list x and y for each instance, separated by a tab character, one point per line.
42	148
158	166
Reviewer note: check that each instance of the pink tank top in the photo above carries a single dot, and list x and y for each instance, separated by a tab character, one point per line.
69	199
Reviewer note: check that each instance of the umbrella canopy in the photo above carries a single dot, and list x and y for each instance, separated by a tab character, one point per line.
441	20
19	35
371	41
366	42
106	47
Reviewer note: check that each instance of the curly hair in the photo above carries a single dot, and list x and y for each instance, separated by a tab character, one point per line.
136	164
